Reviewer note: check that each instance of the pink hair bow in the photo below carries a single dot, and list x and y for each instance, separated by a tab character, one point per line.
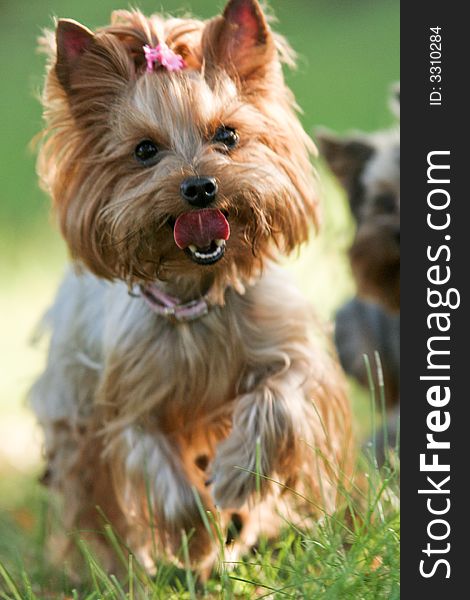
164	56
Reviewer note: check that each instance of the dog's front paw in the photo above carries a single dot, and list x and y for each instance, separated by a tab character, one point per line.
234	477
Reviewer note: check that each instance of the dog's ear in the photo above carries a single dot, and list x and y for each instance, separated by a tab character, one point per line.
73	40
240	40
346	156
90	67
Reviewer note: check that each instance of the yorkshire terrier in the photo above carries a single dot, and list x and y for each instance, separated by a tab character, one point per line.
368	167
184	369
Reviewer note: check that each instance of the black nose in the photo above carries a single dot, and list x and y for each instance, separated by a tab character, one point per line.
199	191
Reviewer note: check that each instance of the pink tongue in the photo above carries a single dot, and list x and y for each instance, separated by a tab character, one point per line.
200	227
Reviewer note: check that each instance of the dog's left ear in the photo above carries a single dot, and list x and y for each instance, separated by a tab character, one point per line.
240	40
346	156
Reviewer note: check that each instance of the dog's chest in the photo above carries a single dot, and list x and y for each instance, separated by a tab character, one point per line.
181	371
202	360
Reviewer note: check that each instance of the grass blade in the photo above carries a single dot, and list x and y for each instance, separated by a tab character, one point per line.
10	583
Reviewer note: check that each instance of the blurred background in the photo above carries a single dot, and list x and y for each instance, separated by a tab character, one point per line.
348	56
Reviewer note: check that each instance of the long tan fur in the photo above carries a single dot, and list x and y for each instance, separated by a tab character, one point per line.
130	401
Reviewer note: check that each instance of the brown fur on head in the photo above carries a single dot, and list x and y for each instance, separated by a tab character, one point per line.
368	167
116	215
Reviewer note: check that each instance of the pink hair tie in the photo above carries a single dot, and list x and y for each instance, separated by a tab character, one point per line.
164	56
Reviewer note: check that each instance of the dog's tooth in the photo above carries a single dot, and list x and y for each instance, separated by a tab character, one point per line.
219	243
193	248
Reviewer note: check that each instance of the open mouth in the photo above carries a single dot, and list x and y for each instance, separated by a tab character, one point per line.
209	255
202	234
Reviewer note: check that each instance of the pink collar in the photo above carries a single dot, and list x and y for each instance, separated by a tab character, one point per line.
168	306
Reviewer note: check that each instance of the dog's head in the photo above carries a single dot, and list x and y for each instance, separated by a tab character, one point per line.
196	174
368	167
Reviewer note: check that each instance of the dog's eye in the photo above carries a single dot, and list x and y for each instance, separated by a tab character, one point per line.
226	136
146	153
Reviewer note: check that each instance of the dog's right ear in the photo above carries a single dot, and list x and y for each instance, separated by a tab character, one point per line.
73	40
91	69
346	156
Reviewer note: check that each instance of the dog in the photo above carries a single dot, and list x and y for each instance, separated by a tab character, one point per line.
185	371
368	168
362	328
367	165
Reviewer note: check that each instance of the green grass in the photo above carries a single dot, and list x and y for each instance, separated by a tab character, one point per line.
352	554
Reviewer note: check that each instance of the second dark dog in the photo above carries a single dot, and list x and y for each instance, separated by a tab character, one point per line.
368	167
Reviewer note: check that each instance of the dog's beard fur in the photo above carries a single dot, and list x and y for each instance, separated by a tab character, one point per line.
137	410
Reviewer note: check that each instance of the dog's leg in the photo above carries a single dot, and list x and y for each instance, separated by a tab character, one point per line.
76	470
152	460
282	431
155	485
63	399
271	427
